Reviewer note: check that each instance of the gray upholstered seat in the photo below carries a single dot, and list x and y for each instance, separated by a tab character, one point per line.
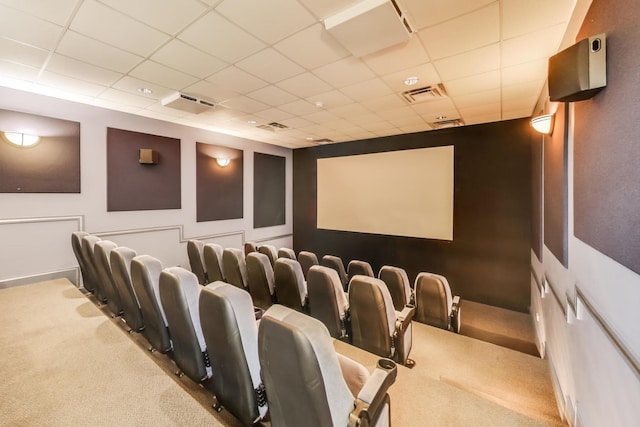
397	282
212	254
102	253
362	268
327	301
88	244
231	334
270	251
375	325
287	253
260	280
195	249
180	295
307	260
308	384
291	288
121	269
434	304
76	245
336	263
145	278
235	267
249	247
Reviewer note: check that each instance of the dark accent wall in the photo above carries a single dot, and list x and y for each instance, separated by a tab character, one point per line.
607	143
537	196
488	260
133	186
218	189
555	187
269	192
51	166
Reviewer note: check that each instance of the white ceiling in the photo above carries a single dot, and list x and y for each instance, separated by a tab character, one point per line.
273	61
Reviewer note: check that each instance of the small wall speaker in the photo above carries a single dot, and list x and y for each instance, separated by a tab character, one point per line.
148	157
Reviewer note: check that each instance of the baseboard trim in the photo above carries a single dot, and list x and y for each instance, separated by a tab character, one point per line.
72	274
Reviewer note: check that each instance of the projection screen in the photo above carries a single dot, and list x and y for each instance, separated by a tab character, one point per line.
398	193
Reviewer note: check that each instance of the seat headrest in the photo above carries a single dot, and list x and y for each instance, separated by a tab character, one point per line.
186	285
377	286
329	276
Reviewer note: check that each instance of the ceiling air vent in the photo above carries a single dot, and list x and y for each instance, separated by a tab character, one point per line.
188	103
273	127
444	124
424	94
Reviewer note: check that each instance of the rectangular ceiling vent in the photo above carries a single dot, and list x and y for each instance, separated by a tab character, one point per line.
273	127
369	26
424	94
444	124
188	103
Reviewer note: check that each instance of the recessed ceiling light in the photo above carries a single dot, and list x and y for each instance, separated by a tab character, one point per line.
410	81
319	104
309	138
251	122
441	117
145	90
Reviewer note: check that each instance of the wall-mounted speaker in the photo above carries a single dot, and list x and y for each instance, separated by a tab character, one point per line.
148	156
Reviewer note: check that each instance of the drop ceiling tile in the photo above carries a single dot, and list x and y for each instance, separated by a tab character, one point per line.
273	115
57	11
330	99
529	71
388	132
312	47
378	127
481	110
94	52
296	122
339	124
299	107
237	80
365	134
270	20
404	112
536	45
21	53
435	108
131	85
370	89
523	16
516	114
245	104
320	117
426	13
99	22
365	119
81	70
12	70
115	100
325	8
467	32
270	65
397	58
70	84
168	16
476	83
304	85
182	57
466	64
387	102
349	110
482	118
213	34
159	74
478	98
62	93
438	115
211	91
426	74
344	72
21	27
166	111
415	128
520	104
272	95
408	121
522	90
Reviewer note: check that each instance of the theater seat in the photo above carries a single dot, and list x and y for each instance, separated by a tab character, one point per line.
307	260
76	245
250	247
88	245
212	254
260	279
291	288
121	269
195	249
434	304
397	282
102	252
180	294
287	253
235	267
361	268
309	385
375	325
271	253
145	278
327	301
336	263
231	334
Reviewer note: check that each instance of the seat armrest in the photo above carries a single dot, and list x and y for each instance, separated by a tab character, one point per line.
405	316
454	317
258	312
372	397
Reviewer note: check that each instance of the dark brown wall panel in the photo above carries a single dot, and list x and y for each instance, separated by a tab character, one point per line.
133	186
269	191
536	188
218	189
51	166
606	140
488	260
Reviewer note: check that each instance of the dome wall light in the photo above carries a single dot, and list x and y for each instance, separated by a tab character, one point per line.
21	139
223	161
543	124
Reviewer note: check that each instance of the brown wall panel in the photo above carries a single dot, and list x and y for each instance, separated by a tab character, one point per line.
537	196
269	194
218	189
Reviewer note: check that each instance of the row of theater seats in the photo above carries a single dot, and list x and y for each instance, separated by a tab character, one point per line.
284	362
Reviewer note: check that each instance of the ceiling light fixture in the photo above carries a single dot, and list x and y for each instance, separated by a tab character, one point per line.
309	138
410	81
21	139
223	161
441	117
251	122
543	124
145	90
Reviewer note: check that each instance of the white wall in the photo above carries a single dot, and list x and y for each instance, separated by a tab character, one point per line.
35	228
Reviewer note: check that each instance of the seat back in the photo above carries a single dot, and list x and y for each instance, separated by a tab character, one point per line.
235	267
88	244
433	300
260	280
336	263
195	249
121	268
145	278
249	247
397	282
231	334
327	301
270	251
287	253
180	294
301	372
291	289
307	260
102	252
76	245
361	268
212	254
373	317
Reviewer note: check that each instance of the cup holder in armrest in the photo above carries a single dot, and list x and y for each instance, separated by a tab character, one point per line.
258	312
386	364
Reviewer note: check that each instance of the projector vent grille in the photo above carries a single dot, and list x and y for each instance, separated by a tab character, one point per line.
424	94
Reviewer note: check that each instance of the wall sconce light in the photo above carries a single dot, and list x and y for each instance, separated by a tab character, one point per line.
21	139
543	124
147	156
223	161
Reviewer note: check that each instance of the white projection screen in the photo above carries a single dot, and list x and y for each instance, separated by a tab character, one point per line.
398	193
